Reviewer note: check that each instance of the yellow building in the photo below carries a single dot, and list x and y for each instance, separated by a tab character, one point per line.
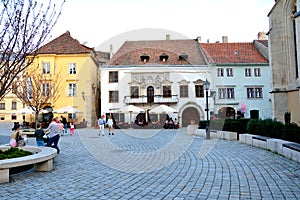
77	67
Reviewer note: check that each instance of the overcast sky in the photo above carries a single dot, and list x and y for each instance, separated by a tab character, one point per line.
97	23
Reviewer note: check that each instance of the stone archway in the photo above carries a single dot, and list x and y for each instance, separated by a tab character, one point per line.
188	114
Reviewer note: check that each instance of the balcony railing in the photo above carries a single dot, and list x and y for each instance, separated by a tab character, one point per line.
154	99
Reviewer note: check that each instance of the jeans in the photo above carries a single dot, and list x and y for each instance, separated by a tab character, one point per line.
40	143
54	140
66	128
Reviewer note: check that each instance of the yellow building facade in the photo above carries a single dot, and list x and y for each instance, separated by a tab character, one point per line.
77	68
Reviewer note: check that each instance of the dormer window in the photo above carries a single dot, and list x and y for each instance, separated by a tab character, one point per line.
163	57
183	57
144	58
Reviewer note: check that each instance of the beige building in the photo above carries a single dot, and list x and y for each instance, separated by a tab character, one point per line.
284	41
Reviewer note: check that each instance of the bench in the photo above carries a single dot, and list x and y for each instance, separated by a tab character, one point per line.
42	159
288	149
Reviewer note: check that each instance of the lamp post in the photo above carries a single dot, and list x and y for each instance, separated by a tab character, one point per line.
206	88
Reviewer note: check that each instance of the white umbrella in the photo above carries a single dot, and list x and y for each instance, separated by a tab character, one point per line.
131	109
163	109
27	110
68	109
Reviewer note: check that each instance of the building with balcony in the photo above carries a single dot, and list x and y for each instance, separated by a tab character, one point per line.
150	73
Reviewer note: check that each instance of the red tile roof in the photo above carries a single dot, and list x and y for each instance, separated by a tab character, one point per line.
64	44
227	53
130	52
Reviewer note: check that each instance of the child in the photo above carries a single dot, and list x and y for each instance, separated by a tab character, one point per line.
72	128
39	133
61	128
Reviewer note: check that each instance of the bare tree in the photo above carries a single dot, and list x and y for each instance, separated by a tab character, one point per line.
37	89
24	26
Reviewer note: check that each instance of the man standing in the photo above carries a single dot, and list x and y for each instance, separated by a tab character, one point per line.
64	121
101	123
54	134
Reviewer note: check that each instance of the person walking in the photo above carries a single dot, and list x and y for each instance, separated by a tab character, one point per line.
110	124
39	133
64	121
53	135
101	123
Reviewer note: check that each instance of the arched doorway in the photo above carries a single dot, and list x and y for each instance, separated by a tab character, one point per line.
150	94
189	114
226	112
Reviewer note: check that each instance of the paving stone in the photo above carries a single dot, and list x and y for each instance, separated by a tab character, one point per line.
167	165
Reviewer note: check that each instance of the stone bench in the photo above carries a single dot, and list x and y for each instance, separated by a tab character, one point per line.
288	149
225	135
292	151
42	159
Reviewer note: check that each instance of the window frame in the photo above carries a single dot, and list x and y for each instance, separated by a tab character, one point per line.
199	91
229	72
226	93
14	105
72	68
2	105
257	72
46	67
113	96
167	91
113	77
184	91
72	89
248	72
254	92
46	89
220	72
134	92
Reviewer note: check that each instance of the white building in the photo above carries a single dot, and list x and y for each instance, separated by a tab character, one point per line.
172	72
241	79
149	73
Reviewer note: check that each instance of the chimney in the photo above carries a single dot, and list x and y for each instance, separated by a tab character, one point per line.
111	50
225	39
261	36
167	37
198	39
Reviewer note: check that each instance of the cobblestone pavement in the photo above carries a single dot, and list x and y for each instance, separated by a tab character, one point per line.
157	164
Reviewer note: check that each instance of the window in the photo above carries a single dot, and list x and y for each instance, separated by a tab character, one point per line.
113	77
46	89
113	96
13	117
229	72
199	91
72	68
253	93
220	72
14	105
226	93
167	92
2	106
256	71
134	92
184	91
247	72
72	89
46	67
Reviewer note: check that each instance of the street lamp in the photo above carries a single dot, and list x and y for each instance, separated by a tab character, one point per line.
206	88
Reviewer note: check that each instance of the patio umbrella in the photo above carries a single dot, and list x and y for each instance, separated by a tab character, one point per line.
67	109
27	110
163	109
131	109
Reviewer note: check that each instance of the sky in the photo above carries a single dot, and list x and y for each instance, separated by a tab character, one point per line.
99	23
